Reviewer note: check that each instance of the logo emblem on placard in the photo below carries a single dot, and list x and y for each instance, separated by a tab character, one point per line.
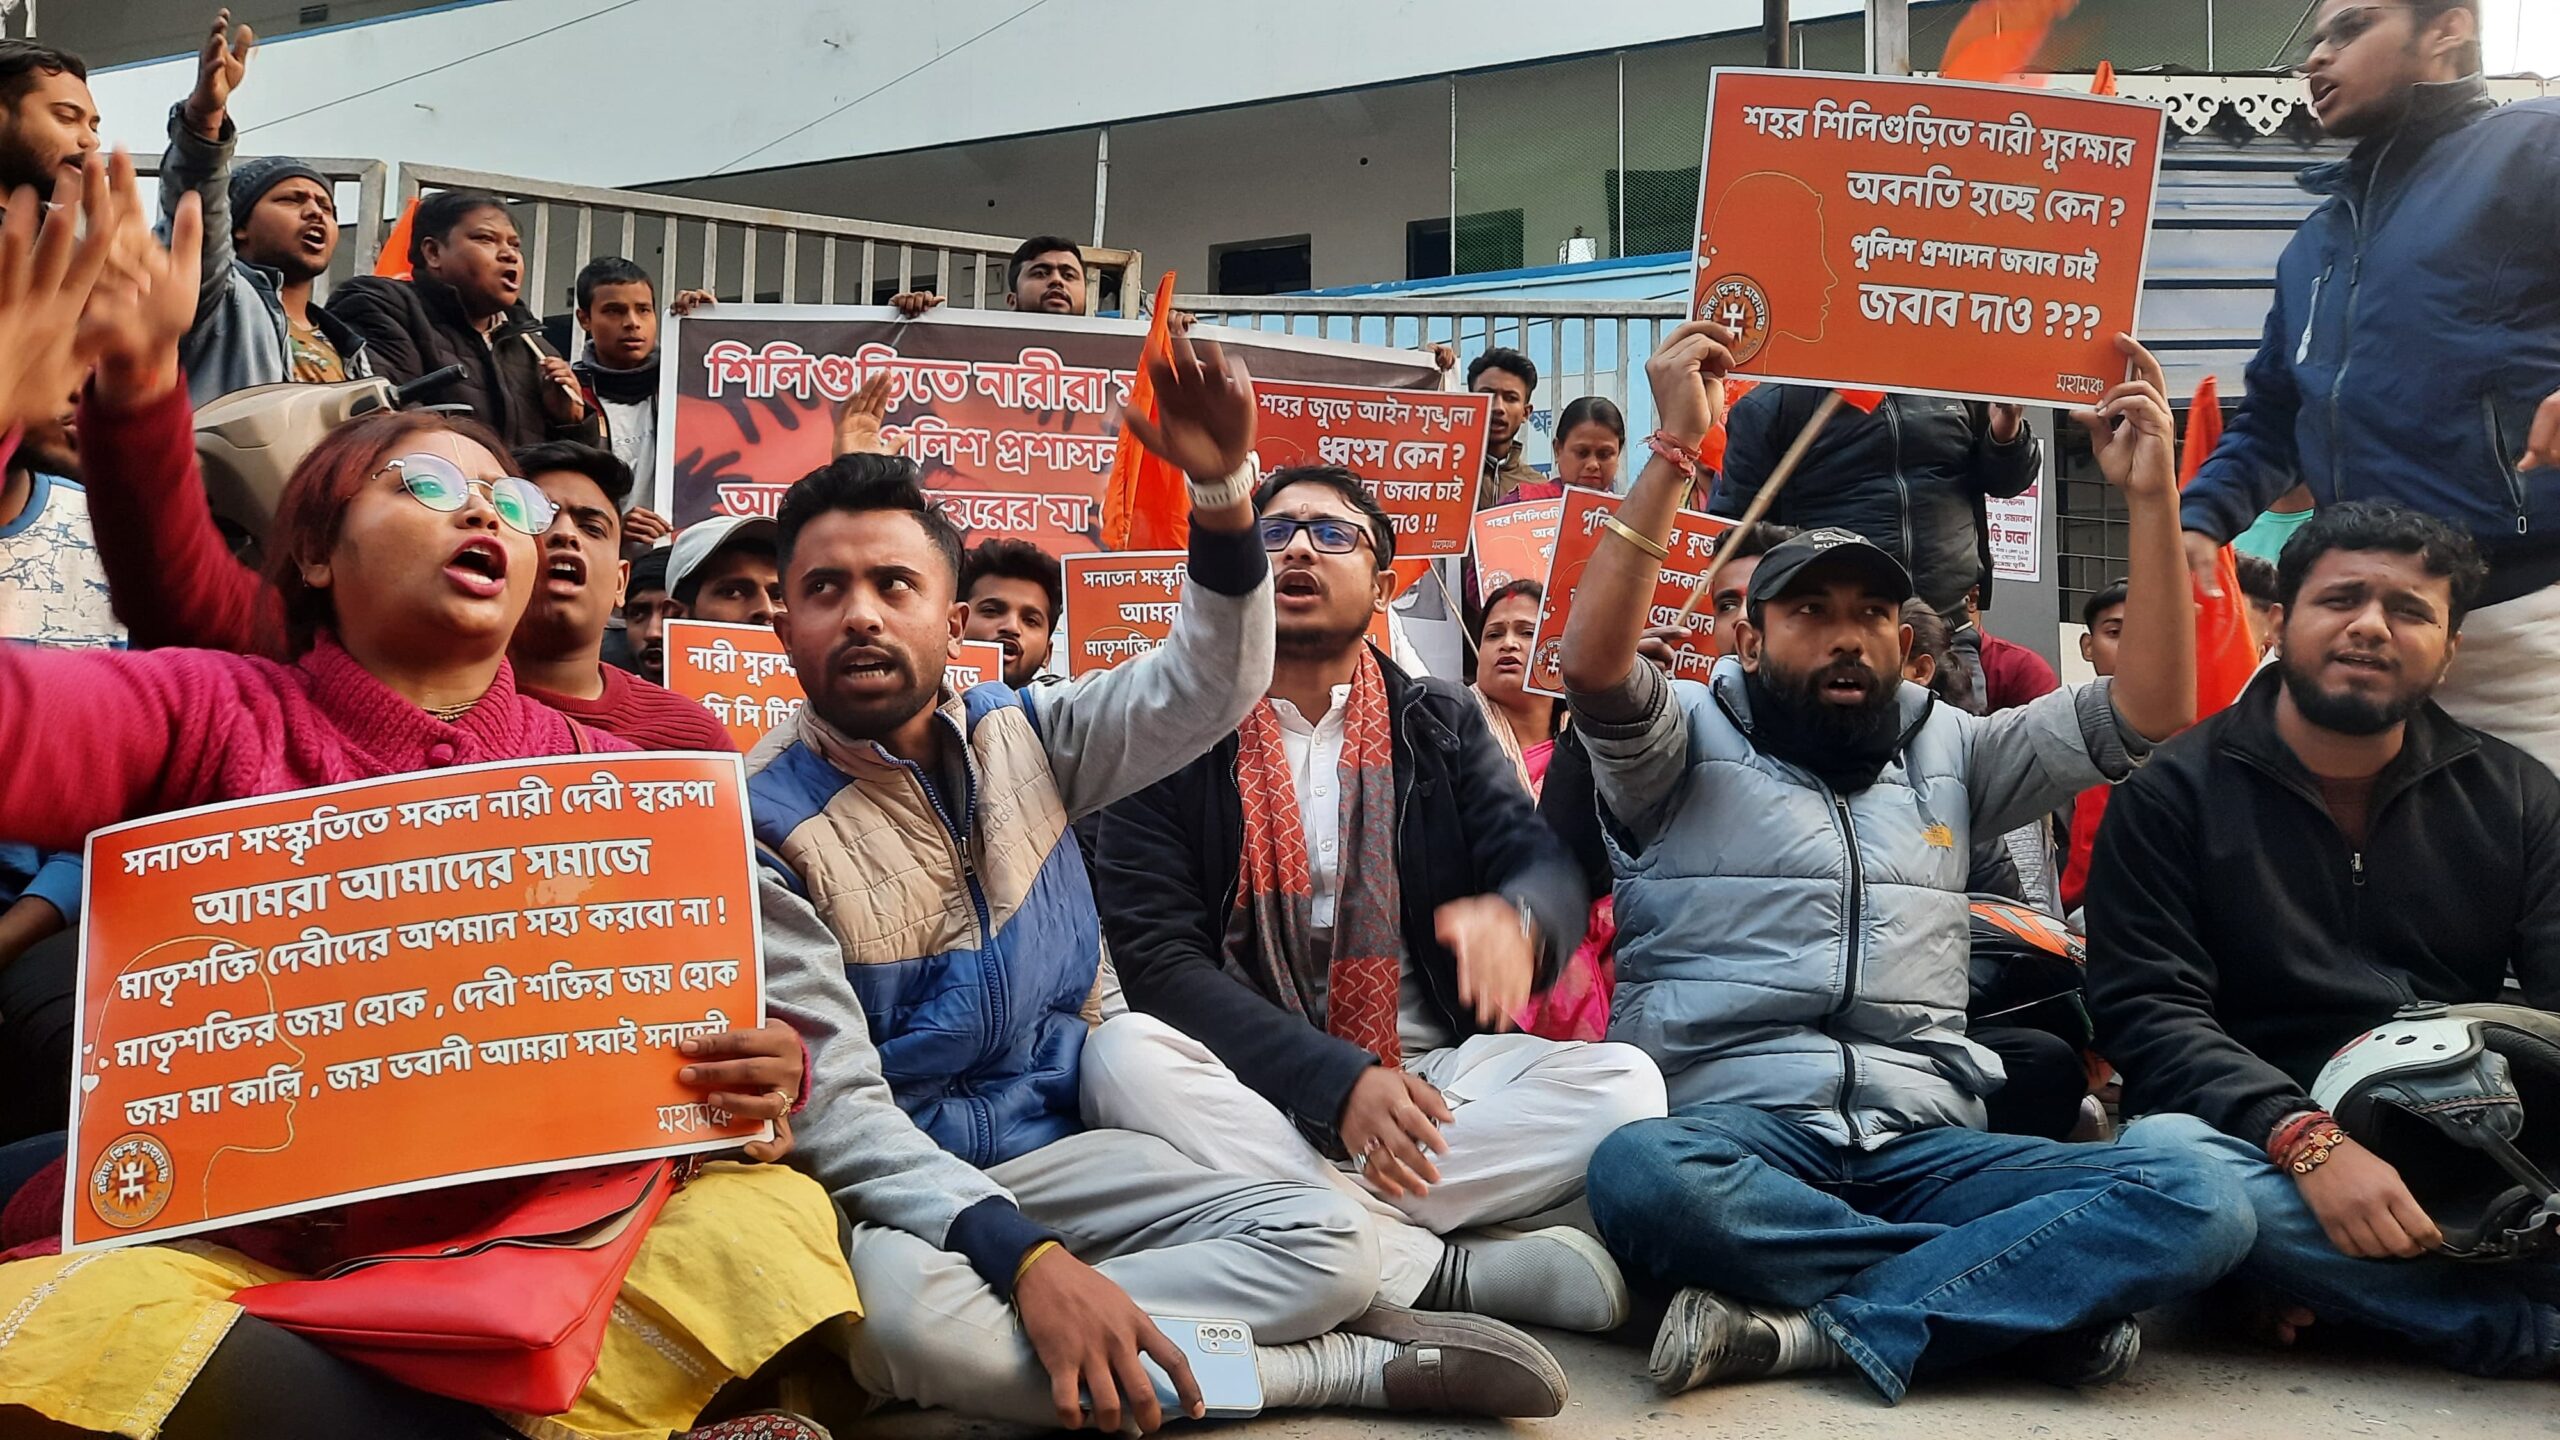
1738	301
132	1180
1551	658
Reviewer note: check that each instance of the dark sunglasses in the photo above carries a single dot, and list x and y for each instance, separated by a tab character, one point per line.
440	485
1328	535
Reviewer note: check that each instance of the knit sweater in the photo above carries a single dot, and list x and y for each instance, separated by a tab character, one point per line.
649	716
174	582
169	729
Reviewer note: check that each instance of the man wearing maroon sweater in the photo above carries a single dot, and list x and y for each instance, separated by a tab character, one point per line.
173	581
558	650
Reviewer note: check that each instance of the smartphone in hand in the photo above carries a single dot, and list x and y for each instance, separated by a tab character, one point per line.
1221	1356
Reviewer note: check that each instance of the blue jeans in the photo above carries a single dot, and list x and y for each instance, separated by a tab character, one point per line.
2493	1320
1946	1244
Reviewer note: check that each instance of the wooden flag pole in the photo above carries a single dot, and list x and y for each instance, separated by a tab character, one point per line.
1760	503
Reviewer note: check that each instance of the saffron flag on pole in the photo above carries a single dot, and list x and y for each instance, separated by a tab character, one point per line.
392	261
1997	39
1145	505
2226	657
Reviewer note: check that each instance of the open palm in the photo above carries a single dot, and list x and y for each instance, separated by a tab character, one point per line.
146	299
46	279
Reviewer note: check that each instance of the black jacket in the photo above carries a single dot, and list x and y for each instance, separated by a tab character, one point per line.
1166	868
1911	477
2236	940
414	326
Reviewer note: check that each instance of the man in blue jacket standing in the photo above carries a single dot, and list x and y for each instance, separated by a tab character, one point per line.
2413	350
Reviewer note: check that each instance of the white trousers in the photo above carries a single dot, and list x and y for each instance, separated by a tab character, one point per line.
1529	1114
2506	678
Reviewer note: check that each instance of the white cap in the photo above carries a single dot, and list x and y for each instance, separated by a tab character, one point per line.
701	540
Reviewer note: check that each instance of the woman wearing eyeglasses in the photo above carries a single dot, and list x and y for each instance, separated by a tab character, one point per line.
405	555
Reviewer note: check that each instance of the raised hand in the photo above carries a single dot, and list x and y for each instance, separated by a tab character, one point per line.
1205	415
219	66
858	423
49	269
1687	373
2131	430
145	298
1088	1334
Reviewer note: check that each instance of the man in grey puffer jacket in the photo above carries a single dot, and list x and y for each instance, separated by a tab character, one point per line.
1791	842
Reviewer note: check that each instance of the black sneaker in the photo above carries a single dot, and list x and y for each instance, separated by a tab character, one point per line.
1708	1339
2086	1358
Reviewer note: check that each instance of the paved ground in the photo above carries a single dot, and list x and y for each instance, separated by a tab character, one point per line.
2189	1387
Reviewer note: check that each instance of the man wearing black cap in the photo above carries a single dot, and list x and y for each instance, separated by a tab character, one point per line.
1792	842
270	228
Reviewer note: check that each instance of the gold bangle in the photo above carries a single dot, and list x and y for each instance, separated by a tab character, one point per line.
1645	543
1043	1248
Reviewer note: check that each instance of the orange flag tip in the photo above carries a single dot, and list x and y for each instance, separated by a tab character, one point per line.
1865	400
393	261
2104	82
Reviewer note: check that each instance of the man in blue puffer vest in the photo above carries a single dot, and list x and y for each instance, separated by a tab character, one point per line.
1791	842
2413	350
930	933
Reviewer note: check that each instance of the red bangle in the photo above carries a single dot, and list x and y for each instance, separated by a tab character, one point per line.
2290	1133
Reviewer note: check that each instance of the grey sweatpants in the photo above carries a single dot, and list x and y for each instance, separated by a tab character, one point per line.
1291	1260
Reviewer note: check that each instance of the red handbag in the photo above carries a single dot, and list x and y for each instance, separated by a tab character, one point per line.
507	1313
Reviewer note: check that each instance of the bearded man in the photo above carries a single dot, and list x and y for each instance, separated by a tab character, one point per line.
1791	842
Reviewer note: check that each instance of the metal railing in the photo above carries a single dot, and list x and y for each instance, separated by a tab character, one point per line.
749	253
1581	347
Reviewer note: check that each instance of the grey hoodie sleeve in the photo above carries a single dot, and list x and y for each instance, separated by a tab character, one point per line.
204	166
2024	761
850	1134
1116	733
1638	737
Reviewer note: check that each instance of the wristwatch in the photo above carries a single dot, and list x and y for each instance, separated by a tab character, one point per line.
1236	489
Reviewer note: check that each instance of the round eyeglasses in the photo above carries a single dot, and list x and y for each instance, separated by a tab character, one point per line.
440	485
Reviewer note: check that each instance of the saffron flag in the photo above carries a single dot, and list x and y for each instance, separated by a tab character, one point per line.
393	261
2225	655
1145	505
1997	39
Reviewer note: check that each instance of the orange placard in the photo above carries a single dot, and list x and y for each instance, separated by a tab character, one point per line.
1516	542
405	983
1120	605
1578	535
974	662
1934	236
1421	452
740	673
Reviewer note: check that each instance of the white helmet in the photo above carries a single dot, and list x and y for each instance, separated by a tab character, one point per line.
2445	1093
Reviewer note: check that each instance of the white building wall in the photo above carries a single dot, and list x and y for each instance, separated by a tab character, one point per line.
622	92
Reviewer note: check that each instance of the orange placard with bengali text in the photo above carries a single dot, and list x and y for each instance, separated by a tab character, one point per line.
1578	535
1515	542
1934	236
1422	452
1120	605
405	983
740	673
974	662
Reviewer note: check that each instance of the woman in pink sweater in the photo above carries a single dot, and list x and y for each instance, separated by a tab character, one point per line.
405	555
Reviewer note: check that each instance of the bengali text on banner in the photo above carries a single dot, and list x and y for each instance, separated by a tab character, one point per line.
1934	236
1578	535
403	983
1423	455
1010	417
1120	605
